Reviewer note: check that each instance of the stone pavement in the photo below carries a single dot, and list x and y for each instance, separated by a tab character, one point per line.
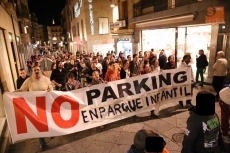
117	137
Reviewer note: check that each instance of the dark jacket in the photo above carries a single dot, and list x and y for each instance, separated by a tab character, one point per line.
20	81
134	68
201	61
202	135
169	66
59	77
162	61
122	74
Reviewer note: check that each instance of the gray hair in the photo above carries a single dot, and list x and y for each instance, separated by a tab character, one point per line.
221	53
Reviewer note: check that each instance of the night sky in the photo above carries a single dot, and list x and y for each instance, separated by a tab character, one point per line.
46	10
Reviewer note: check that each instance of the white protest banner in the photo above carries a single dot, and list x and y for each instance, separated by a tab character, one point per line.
45	114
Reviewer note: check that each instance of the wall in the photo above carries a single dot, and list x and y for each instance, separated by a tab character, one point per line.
100	9
6	53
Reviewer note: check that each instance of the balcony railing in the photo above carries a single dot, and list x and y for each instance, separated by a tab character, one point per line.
150	6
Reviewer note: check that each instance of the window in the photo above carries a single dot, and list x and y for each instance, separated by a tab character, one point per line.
103	26
78	30
82	27
20	26
124	8
74	31
73	13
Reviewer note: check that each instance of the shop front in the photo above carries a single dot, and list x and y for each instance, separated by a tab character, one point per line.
125	46
179	41
100	46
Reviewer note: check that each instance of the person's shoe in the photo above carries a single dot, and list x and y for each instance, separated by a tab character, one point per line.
42	146
226	139
188	103
152	114
181	104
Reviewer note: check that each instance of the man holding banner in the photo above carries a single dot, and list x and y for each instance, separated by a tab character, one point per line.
37	82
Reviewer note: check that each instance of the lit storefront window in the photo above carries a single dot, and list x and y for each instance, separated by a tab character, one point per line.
197	37
159	39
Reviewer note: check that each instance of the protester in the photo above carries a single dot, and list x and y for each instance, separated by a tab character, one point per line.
58	76
201	63
224	103
186	63
162	59
23	76
112	74
134	68
171	63
96	80
139	142
203	127
37	82
125	72
71	83
220	72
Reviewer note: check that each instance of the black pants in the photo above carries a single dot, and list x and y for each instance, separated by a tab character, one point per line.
42	141
217	83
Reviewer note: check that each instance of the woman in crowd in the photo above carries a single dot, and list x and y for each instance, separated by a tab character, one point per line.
171	63
186	63
125	72
144	68
155	67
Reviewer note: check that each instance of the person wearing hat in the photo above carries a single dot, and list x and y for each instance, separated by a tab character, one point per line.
140	140
203	127
225	111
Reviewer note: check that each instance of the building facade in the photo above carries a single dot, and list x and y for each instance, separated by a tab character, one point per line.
90	26
9	61
55	36
121	29
179	27
25	28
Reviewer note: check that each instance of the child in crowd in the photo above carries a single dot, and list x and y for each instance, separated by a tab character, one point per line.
71	83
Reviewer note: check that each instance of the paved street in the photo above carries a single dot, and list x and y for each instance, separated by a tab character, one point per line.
117	137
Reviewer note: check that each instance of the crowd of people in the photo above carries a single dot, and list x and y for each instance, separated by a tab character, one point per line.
71	72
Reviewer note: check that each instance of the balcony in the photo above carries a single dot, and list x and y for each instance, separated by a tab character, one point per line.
144	7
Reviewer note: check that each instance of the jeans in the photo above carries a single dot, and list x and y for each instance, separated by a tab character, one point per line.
225	114
200	71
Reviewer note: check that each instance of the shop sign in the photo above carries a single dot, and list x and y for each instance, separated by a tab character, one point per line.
91	19
215	15
104	41
124	39
117	24
77	8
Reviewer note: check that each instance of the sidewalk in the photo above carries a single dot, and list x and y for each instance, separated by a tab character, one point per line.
117	137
